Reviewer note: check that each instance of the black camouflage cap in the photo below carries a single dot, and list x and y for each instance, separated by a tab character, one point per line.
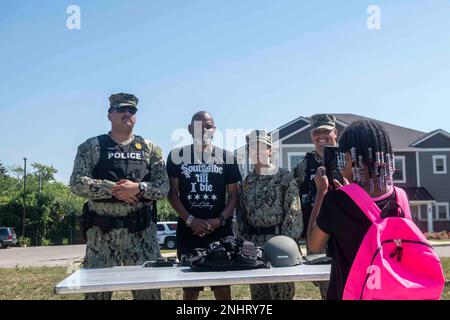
259	136
118	100
323	121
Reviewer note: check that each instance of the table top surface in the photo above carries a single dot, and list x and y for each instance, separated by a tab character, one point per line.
140	278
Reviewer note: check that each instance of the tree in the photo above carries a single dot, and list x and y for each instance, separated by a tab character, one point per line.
166	212
17	171
47	173
50	210
3	170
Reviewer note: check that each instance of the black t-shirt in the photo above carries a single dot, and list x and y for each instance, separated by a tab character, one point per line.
347	225
203	180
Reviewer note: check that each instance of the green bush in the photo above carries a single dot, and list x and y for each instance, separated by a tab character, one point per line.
24	241
46	242
65	242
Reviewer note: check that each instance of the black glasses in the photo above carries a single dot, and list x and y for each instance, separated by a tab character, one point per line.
130	110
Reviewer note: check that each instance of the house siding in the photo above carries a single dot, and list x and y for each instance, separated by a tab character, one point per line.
302	137
437	225
287	149
437	184
436	141
292	128
411	169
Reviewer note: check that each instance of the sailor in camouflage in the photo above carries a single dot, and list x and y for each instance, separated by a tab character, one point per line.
323	132
269	206
121	175
83	184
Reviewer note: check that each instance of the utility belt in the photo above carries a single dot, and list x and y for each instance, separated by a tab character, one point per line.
264	230
135	221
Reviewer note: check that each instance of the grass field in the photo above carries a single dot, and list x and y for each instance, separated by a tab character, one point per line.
38	283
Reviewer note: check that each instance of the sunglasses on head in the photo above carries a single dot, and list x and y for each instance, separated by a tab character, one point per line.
130	110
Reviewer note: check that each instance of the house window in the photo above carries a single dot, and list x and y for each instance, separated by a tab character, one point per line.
400	169
442	211
440	164
294	159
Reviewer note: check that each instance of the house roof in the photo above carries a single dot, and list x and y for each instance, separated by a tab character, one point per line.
401	137
418	194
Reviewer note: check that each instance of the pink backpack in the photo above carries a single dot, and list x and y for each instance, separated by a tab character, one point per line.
395	260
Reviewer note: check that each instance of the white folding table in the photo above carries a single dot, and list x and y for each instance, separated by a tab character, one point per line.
140	278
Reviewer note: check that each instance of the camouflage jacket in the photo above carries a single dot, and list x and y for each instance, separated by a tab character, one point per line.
270	200
82	183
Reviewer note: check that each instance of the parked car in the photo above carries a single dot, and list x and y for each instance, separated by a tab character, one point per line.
167	234
8	237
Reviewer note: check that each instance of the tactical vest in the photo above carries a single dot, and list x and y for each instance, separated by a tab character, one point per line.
117	162
308	189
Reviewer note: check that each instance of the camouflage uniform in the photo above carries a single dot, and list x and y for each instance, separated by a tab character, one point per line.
266	201
118	246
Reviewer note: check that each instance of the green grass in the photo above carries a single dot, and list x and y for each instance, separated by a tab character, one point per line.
38	284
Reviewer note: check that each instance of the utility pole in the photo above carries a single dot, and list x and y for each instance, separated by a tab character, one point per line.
24	194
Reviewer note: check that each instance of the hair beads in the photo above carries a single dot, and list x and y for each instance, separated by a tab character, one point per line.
370	151
371	170
354	164
362	176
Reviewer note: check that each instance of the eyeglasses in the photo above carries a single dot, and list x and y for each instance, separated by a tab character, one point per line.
130	110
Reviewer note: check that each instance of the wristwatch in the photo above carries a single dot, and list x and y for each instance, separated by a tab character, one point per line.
142	188
223	221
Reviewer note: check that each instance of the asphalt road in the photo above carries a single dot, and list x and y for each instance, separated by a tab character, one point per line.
54	256
58	256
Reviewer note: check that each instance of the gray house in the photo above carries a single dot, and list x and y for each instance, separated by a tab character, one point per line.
422	163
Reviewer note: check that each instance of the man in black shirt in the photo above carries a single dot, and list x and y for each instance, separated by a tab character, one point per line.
203	192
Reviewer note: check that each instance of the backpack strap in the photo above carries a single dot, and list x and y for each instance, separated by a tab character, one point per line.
402	200
363	201
369	207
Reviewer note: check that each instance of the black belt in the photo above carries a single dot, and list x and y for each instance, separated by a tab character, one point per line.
134	222
111	200
264	230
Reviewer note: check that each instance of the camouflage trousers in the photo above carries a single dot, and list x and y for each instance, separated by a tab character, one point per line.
272	291
119	247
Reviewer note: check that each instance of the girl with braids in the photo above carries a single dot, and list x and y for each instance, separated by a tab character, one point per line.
366	159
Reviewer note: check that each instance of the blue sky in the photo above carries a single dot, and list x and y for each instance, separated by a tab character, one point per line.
251	63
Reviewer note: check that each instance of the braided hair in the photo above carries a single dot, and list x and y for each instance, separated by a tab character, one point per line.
370	148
